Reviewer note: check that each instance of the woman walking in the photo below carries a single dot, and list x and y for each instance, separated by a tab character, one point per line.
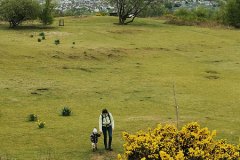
106	126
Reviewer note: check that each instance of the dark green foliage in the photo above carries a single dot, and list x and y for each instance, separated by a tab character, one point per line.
33	117
46	15
184	16
42	34
17	11
39	39
31	36
128	9
233	13
41	124
66	111
57	41
154	11
228	14
73	43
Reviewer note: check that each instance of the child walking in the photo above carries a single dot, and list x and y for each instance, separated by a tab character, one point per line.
94	139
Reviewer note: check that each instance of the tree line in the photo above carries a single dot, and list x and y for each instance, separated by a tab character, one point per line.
228	12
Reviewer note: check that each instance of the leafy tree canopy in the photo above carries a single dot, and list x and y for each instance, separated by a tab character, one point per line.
17	11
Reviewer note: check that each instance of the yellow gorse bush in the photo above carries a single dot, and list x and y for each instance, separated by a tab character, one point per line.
166	142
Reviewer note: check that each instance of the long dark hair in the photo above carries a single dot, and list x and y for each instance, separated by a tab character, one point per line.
104	111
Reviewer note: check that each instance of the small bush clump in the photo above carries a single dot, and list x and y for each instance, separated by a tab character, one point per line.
66	111
196	16
33	117
39	39
169	143
31	36
57	41
42	34
43	38
41	124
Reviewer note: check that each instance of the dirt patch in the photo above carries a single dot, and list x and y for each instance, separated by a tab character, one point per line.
125	31
93	57
178	49
29	57
97	157
90	57
216	61
78	68
56	56
213	77
65	67
104	155
35	93
39	91
208	118
147	97
211	72
115	50
85	69
73	57
110	55
155	49
42	89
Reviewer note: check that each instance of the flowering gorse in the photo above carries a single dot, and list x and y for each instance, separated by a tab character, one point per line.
168	143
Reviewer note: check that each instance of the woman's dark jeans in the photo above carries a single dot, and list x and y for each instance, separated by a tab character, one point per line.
109	130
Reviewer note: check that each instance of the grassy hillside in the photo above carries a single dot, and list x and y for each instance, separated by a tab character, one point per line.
128	69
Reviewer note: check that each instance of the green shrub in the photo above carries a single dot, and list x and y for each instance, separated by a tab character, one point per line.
46	16
185	14
42	34
57	41
233	13
41	124
31	36
66	111
196	16
39	39
43	38
103	13
73	43
33	117
203	13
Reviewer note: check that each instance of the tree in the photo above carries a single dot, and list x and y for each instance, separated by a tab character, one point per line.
130	9
233	13
154	10
17	11
46	15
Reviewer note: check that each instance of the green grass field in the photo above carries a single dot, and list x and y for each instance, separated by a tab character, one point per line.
128	69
